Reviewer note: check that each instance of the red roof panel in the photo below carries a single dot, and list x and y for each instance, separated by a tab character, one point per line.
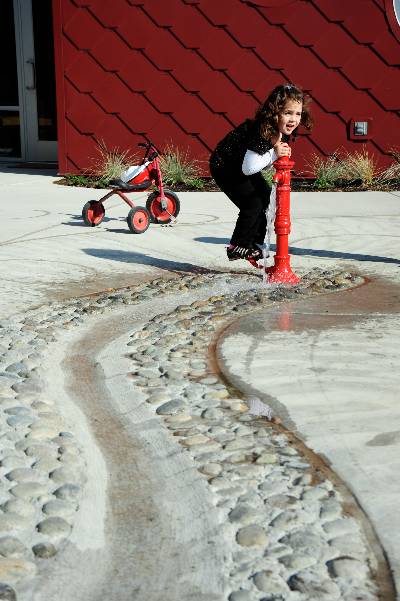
219	13
138	29
387	90
165	13
83	30
193	72
191	28
387	47
219	50
113	95
139	114
305	24
363	68
110	51
387	134
85	73
117	135
246	26
138	72
195	117
165	93
248	72
164	51
276	48
83	111
335	46
365	23
110	14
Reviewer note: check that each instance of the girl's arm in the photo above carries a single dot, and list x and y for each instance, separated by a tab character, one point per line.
254	162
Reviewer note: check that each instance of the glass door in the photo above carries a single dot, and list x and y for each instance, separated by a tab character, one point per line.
28	127
10	114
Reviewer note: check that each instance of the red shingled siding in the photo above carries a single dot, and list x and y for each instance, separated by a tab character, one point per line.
186	71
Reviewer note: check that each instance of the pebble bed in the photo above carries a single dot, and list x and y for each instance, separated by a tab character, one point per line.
288	536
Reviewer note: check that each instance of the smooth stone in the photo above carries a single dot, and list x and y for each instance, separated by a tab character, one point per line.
13	570
7	593
296	561
313	585
171	408
212	414
26	475
158	398
331	509
29	490
67	492
14	461
60	508
19	507
16	421
267	458
11	547
198	439
211	469
271	583
46	464
243	514
348	569
44	550
241	596
340	527
178	419
13	521
209	380
41	450
239	443
54	527
65	475
252	535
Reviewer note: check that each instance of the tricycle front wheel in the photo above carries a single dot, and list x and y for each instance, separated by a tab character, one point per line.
158	214
138	220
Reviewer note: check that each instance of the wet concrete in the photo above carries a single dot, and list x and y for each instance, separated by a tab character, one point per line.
329	367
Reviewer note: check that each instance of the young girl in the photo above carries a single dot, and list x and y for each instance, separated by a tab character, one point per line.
238	159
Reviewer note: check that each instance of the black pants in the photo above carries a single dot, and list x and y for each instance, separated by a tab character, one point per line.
251	195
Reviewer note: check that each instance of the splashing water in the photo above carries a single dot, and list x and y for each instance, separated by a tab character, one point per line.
270	224
270	218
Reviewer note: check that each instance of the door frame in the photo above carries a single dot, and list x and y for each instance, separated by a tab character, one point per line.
32	149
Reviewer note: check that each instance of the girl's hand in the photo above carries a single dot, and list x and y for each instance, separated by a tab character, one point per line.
282	150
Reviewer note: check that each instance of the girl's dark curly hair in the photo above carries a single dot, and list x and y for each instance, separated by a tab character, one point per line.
267	113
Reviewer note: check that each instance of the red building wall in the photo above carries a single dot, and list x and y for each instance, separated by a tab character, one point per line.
186	71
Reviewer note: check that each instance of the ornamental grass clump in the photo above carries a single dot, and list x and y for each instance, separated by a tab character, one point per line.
360	167
111	163
178	168
326	171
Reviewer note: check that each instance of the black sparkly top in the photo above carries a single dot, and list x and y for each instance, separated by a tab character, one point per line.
227	158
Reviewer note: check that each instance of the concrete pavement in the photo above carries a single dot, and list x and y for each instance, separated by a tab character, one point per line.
329	365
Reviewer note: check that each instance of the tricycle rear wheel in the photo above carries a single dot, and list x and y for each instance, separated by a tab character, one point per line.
93	213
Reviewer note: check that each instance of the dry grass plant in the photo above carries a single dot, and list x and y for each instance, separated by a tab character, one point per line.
178	168
326	171
112	162
359	165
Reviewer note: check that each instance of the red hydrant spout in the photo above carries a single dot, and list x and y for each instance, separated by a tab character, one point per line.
281	271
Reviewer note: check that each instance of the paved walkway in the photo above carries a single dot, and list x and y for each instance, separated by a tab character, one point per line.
332	365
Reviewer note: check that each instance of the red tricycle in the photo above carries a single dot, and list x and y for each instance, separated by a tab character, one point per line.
162	206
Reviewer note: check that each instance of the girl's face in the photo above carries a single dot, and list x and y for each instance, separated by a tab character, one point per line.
290	116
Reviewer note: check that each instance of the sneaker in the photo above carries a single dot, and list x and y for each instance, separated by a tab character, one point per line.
243	252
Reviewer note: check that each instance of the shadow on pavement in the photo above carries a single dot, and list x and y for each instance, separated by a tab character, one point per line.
141	259
312	252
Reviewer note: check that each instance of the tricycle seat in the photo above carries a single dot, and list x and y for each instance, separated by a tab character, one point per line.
118	184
